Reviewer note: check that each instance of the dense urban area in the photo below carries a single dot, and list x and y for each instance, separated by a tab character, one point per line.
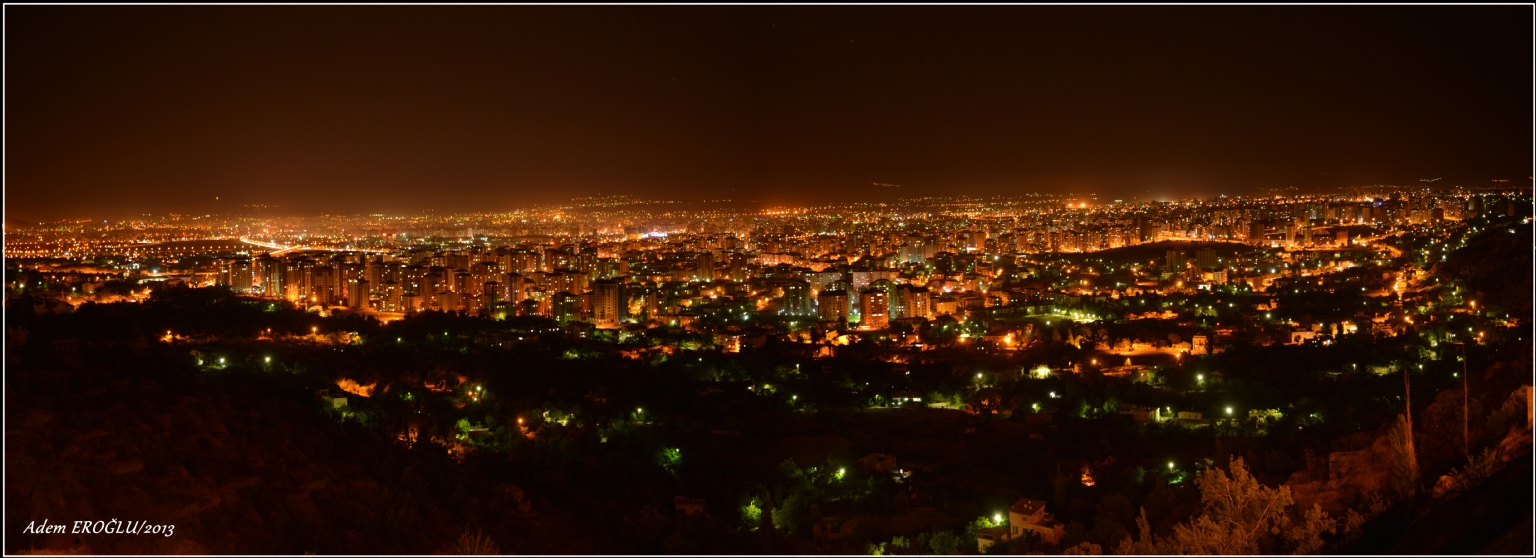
1341	373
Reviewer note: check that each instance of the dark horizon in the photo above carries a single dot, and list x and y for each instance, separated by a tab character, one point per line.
115	111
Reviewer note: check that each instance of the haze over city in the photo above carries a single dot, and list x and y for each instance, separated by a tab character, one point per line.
118	111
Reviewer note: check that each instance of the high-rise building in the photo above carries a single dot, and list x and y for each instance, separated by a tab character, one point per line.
1149	230
650	301
556	258
322	288
410	278
608	304
515	287
797	298
832	305
823	280
1256	232
237	275
431	283
449	301
481	273
739	264
586	260
349	274
543	299
298	279
566	307
1174	260
893	297
491	295
357	293
456	260
377	272
916	302
392	294
913	252
1205	258
568	280
874	309
271	272
704	267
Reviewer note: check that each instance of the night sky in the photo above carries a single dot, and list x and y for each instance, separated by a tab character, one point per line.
113	111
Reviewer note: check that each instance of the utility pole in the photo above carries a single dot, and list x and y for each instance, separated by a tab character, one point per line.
1412	487
1408	414
1465	438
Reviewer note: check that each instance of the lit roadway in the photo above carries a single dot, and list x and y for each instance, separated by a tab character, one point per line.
261	244
278	250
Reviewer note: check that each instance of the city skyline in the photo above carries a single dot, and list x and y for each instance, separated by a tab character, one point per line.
368	109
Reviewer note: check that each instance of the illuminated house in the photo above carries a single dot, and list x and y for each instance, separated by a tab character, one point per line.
1200	345
1141	413
1024	516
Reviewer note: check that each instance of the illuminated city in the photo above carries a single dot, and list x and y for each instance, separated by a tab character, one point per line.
887	367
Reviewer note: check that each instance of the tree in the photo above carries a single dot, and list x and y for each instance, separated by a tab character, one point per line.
1084	548
1405	465
476	543
944	542
1242	516
1307	538
1144	543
